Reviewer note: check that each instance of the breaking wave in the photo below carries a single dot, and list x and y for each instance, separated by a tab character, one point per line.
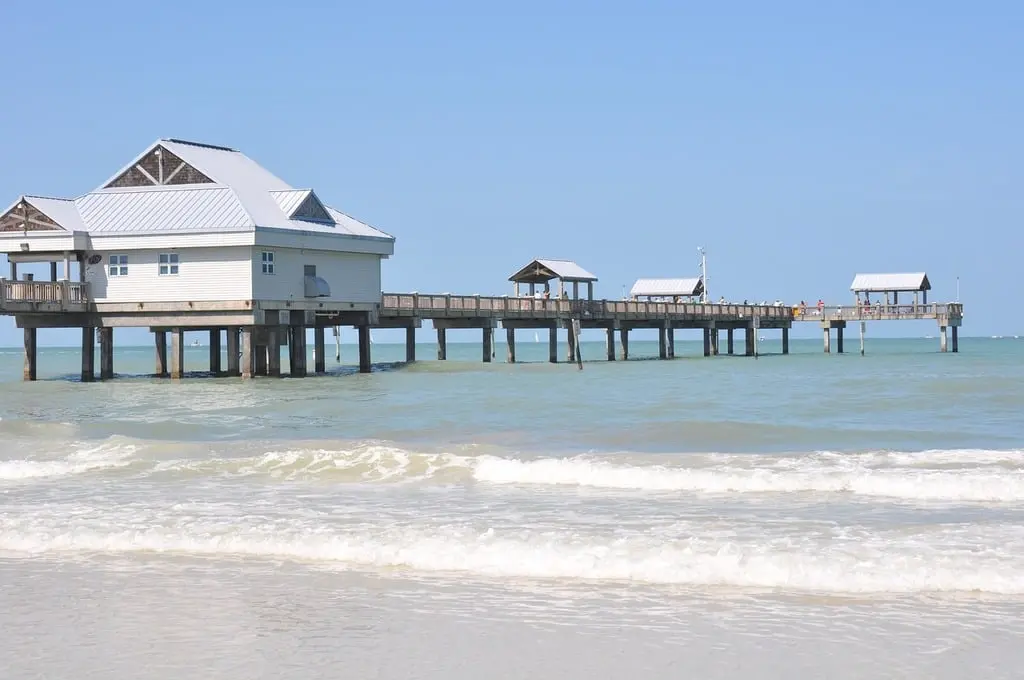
881	563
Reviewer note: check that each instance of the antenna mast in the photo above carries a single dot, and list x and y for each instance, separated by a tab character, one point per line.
703	273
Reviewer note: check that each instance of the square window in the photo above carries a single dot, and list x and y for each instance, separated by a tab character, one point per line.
267	260
168	264
118	265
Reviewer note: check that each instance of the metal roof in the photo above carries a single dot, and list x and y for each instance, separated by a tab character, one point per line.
667	288
542	270
192	208
241	195
880	283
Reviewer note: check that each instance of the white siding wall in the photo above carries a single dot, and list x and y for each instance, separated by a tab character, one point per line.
204	274
353	277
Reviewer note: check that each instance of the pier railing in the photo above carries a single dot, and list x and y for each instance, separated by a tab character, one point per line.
447	306
17	296
880	312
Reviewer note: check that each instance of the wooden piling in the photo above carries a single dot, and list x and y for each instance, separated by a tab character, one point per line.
610	344
319	348
410	344
828	340
671	335
570	341
177	354
553	344
728	341
106	353
785	341
863	328
442	345
215	366
839	338
624	341
88	354
954	330
364	349
942	338
297	353
31	355
246	359
715	337
233	350
274	351
748	339
488	344
707	342
160	338
662	344
510	343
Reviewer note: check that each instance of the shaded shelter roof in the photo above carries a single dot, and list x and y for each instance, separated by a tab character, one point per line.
667	287
542	271
882	283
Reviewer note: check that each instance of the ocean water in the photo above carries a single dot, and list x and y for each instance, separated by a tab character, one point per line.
822	516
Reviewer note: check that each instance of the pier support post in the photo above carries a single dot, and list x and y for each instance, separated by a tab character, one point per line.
177	353
274	351
728	341
410	345
610	344
942	338
297	351
954	330
748	339
488	344
863	328
442	345
570	338
624	341
839	339
31	355
233	350
106	353
715	337
161	353
259	359
246	360
670	334
553	344
707	342
53	271
785	341
215	366
510	343
828	340
88	354
662	344
364	349
319	347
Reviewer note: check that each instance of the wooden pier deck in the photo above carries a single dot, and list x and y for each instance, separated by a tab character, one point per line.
255	331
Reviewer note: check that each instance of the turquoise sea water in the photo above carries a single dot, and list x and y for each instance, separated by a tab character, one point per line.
837	514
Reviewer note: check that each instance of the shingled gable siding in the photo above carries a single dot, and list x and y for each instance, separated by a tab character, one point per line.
204	274
353	277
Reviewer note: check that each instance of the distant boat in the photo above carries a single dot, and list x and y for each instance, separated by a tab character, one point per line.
195	343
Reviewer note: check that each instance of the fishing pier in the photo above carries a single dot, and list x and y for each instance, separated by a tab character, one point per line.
190	236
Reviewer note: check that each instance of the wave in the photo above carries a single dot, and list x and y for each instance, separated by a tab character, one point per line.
883	563
956	475
979	476
110	454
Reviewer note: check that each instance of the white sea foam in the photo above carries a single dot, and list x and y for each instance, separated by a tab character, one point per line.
107	455
980	476
370	462
880	563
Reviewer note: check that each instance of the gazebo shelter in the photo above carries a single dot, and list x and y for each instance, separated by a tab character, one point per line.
671	289
884	284
542	272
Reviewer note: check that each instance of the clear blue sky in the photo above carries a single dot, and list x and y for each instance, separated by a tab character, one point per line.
799	142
